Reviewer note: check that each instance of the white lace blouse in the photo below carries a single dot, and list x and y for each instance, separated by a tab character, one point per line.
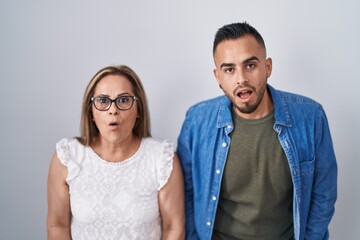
116	200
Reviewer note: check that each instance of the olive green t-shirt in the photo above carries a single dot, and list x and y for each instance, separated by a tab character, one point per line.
256	191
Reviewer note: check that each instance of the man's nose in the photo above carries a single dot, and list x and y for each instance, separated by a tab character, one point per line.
241	76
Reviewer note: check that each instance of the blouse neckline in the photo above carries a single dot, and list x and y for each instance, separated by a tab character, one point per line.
125	161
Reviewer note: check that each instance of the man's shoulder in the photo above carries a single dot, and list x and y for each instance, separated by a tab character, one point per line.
208	111
293	98
209	104
207	114
295	107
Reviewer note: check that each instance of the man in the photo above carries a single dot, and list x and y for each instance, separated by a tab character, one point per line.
258	162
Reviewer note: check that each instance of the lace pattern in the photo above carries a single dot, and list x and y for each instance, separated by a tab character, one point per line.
116	201
64	155
166	165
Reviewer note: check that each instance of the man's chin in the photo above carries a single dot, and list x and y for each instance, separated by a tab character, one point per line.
246	109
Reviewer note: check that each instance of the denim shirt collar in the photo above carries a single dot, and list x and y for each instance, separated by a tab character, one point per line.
281	112
224	117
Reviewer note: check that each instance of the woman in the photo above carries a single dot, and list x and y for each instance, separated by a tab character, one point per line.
115	181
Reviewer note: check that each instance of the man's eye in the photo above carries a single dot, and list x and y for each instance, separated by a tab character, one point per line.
250	65
229	70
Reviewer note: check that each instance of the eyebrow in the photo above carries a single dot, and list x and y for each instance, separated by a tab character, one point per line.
119	95
124	94
253	58
226	65
250	59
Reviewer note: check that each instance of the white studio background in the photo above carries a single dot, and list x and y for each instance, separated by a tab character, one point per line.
49	50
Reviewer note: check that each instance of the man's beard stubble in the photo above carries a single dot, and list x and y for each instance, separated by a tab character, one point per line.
248	108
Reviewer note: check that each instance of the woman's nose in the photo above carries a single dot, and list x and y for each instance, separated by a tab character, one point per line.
113	109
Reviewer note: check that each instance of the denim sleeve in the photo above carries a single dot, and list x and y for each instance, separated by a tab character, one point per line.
184	153
324	188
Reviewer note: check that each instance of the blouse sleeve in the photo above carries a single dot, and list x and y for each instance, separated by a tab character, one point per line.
63	149
165	164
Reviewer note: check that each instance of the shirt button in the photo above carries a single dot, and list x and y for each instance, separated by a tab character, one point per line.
213	198
217	171
229	126
224	144
208	223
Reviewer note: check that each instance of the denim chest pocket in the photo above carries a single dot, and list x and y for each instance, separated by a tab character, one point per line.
307	174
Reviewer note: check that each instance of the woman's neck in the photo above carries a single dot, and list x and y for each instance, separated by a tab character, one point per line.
116	151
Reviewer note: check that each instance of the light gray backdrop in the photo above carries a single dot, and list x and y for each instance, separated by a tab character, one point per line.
49	50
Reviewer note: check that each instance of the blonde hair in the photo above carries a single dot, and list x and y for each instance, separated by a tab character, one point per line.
88	128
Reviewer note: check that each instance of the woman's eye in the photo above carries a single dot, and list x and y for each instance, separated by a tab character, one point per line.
123	99
103	100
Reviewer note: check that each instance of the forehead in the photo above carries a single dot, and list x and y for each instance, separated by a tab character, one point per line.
240	48
113	84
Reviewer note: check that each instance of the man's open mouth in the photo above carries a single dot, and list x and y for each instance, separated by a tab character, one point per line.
244	94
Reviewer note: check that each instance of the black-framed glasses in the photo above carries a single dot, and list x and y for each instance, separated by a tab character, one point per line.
103	103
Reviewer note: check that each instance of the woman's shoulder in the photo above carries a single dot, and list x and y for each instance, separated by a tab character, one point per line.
68	141
68	144
68	150
162	152
155	143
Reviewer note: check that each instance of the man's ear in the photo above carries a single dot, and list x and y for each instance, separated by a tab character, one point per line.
268	67
216	74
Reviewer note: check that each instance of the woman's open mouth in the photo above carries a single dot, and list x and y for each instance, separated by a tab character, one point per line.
113	124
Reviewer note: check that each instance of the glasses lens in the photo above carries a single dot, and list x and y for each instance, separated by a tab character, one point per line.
124	102
102	103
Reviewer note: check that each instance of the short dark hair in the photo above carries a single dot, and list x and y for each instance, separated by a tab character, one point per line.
235	31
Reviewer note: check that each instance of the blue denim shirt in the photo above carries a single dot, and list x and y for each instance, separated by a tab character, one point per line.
304	134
